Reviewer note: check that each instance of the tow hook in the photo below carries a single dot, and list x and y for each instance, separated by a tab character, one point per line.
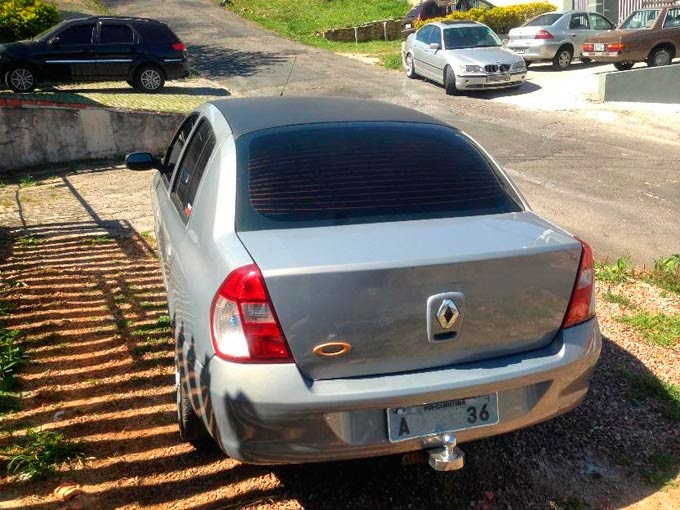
448	457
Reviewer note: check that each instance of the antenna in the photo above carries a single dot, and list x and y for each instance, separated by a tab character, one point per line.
289	75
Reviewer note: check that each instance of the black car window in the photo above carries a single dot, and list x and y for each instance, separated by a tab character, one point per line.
365	172
116	34
156	33
578	22
191	167
78	35
423	34
435	35
176	146
598	22
672	19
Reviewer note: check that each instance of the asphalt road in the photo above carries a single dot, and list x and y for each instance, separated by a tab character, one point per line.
616	185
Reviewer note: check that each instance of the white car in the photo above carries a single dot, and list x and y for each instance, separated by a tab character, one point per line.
462	55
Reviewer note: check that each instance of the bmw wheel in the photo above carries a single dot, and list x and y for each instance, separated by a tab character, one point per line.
149	79
410	66
20	79
450	82
562	58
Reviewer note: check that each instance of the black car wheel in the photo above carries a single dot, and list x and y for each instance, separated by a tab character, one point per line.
586	60
21	79
149	78
450	82
410	66
623	66
191	428
562	58
659	57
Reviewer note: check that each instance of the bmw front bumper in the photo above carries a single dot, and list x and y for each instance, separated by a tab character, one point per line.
272	414
490	81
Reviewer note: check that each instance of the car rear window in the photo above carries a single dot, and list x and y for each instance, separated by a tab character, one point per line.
156	33
347	173
544	20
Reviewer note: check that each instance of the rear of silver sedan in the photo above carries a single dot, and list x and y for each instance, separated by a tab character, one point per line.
358	279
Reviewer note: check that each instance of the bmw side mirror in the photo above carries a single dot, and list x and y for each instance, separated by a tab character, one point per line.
435	46
53	43
141	161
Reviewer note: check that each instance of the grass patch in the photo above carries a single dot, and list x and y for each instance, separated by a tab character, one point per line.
662	470
619	272
11	358
392	61
644	386
26	181
660	329
666	273
305	20
616	299
27	241
40	452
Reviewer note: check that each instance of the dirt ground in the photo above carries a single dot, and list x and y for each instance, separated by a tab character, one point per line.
78	265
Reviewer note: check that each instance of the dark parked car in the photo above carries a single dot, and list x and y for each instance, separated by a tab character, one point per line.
429	9
142	52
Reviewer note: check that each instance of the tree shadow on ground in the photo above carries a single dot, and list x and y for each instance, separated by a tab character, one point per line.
221	62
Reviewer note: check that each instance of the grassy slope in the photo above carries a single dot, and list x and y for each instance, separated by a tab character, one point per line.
304	20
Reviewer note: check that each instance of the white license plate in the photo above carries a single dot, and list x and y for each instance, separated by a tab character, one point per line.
439	417
599	47
498	77
520	51
408	25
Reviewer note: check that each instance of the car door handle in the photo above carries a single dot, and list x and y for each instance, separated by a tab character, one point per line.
168	250
573	35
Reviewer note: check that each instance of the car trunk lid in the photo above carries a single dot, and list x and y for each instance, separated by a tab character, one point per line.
378	287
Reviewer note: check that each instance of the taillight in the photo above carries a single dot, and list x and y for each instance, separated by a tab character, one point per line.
582	303
244	327
588	47
615	47
543	34
179	46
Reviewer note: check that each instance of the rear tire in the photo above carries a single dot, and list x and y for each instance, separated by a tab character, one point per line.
21	79
149	78
586	60
562	58
450	82
410	66
191	428
659	57
528	63
623	66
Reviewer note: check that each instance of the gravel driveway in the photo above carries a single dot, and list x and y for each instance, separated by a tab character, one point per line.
87	293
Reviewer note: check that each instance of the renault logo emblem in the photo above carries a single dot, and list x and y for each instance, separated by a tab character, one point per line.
447	314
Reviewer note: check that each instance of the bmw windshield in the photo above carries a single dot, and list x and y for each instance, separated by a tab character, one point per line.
470	37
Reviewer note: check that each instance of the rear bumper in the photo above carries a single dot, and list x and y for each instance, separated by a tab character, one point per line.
175	70
610	57
271	414
531	51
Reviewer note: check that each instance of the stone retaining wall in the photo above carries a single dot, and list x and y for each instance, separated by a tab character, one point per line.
387	30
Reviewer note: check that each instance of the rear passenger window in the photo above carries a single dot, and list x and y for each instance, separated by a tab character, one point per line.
363	173
116	34
192	166
156	33
578	22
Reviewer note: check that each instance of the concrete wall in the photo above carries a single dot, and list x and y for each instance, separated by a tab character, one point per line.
644	85
31	136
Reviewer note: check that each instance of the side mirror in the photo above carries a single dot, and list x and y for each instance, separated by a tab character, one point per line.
141	161
435	46
53	43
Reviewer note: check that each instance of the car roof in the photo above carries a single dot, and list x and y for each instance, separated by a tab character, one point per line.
129	19
246	115
456	23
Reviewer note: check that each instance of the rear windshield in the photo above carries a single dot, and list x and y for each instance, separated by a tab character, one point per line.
336	174
544	20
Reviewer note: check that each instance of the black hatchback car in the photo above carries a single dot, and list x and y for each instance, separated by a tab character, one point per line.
142	52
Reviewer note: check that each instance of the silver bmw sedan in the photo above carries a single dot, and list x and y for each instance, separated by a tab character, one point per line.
462	55
351	278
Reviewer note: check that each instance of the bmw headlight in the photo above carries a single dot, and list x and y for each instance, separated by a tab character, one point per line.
518	66
471	69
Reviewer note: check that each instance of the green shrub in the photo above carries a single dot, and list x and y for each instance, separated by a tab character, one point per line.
22	19
499	19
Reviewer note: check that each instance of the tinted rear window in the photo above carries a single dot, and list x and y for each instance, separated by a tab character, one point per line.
155	33
544	20
334	174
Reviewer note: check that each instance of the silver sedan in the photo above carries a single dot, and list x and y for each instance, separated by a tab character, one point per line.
462	55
